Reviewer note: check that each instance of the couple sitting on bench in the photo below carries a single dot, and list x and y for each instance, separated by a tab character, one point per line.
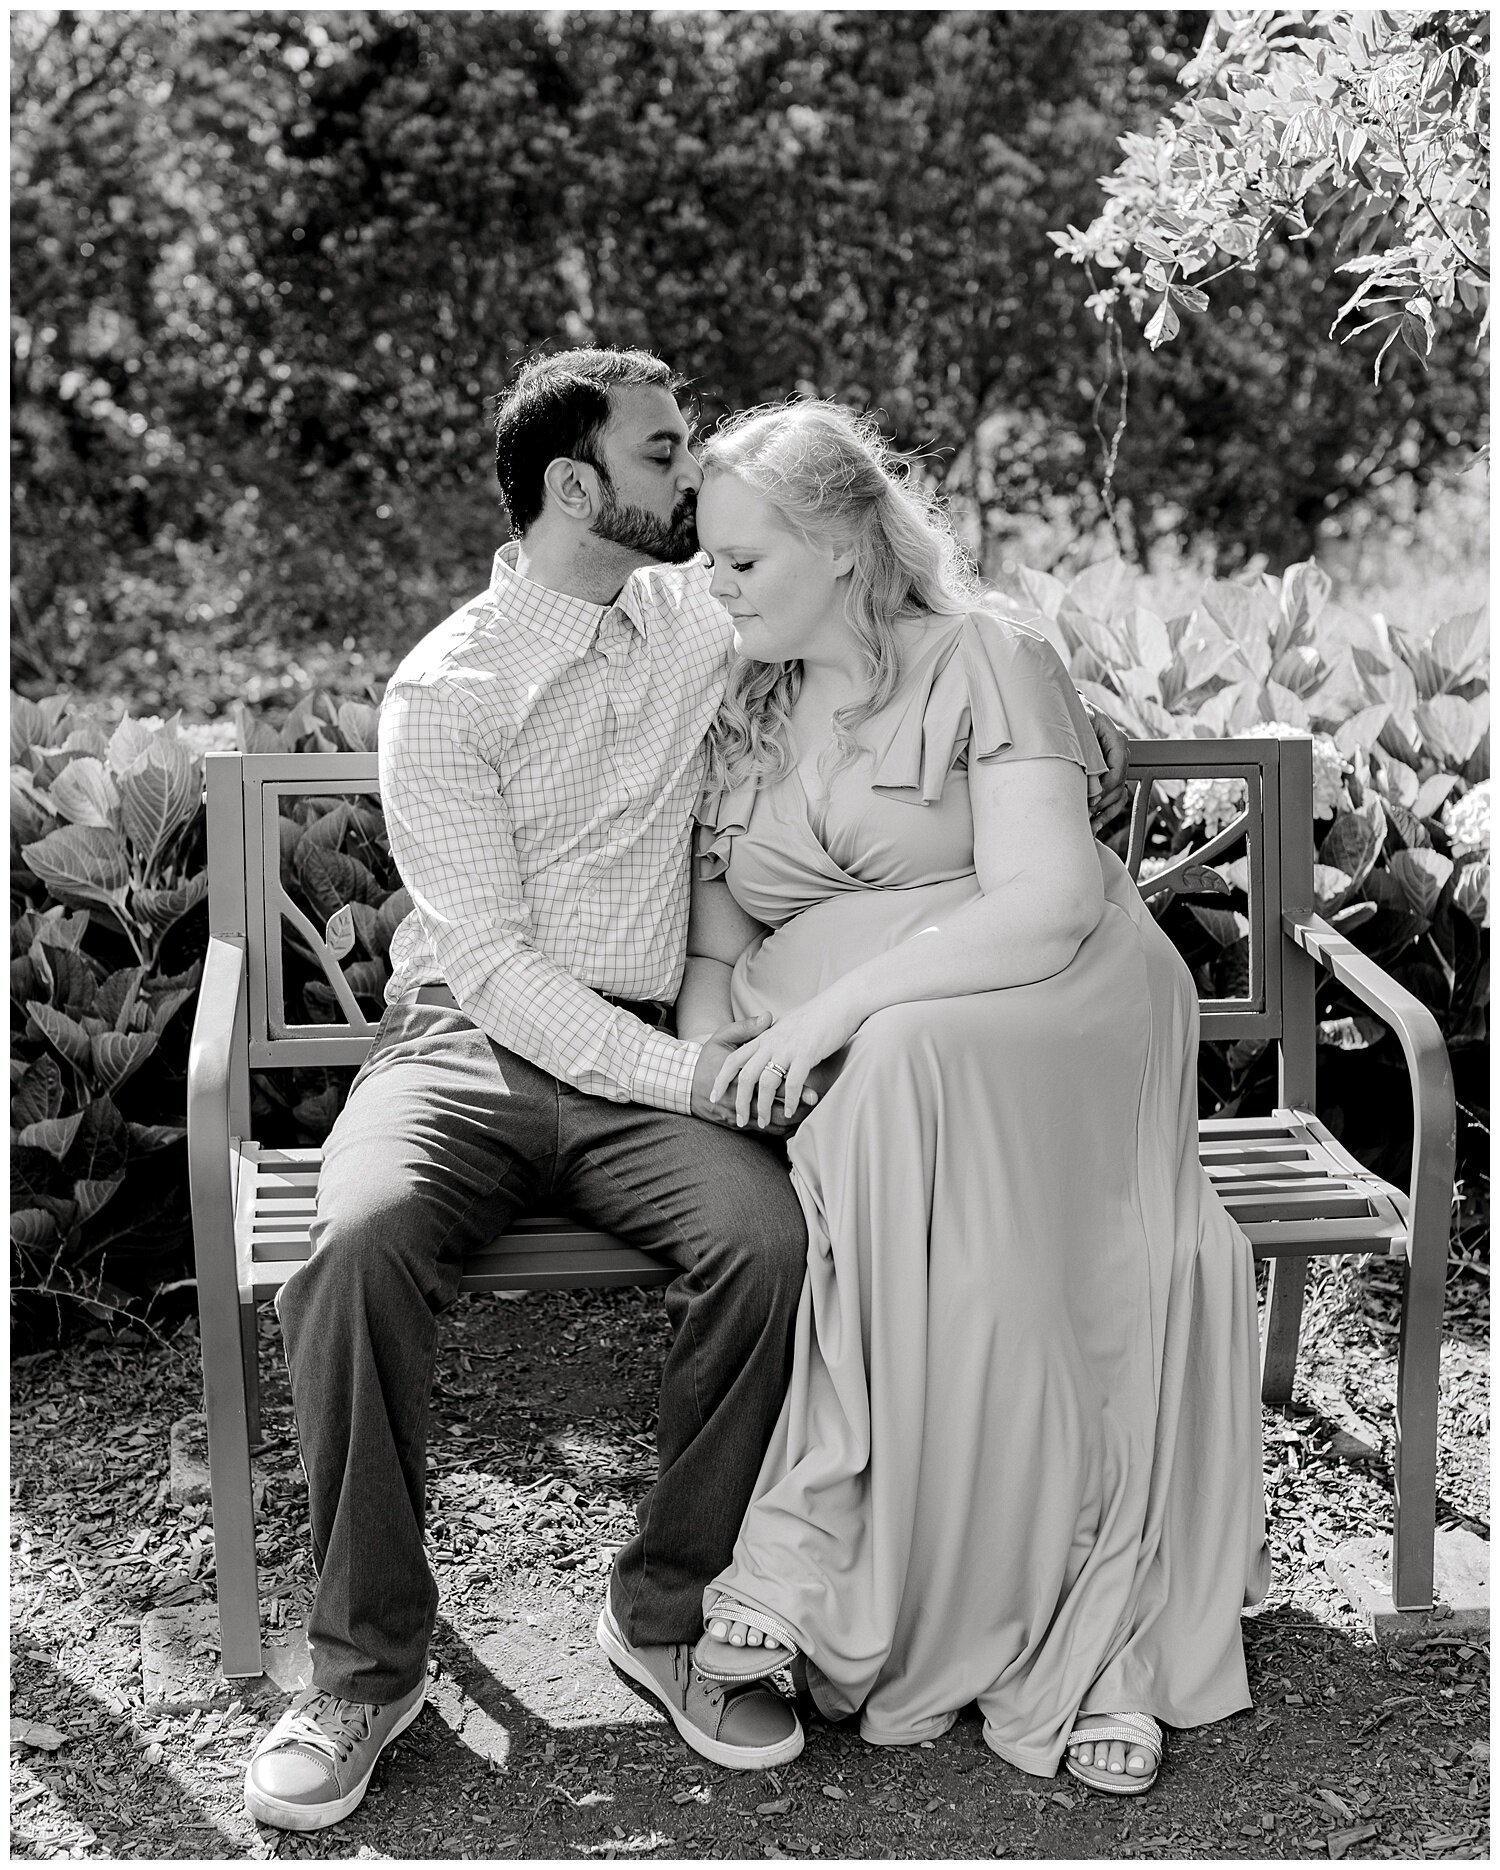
758	920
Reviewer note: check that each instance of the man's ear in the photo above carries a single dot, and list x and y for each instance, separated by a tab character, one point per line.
573	486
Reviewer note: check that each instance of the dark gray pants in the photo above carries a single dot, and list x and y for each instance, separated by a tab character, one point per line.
445	1137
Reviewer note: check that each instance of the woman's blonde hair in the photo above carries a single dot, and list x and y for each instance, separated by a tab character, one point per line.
836	481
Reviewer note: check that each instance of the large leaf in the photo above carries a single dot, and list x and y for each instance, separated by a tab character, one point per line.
82	864
1300	669
160	908
84	794
28	728
39	1095
54	1134
1405	826
1432	792
1281	704
1362	730
119	1055
1398	782
74	983
1249	614
66	1037
165	1004
63	928
149	1136
1353	841
1227	926
1471	892
332	878
1422	875
358	725
1398	925
91	1194
86	741
1449	728
1461	645
328	829
1304	592
117	996
1150	641
31	811
130	742
102	1145
1331	888
158	796
256	735
32	1228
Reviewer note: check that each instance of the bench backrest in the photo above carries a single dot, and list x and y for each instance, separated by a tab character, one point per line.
249	797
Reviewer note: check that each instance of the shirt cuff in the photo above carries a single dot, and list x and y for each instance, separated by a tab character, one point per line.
663	1076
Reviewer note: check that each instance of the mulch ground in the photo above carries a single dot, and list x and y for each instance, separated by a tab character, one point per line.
541	1444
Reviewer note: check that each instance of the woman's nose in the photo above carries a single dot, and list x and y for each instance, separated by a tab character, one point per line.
721	583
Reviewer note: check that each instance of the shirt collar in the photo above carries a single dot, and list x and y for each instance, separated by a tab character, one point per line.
571	622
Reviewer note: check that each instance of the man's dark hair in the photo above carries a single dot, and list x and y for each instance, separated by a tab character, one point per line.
558	405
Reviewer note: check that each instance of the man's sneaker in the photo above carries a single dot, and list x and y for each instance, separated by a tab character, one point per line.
746	1727
311	1770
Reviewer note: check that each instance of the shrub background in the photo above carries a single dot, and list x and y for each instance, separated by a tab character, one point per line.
267	268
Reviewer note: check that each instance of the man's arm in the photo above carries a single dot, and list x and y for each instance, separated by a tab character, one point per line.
452	841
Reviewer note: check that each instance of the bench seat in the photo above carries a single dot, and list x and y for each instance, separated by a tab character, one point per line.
1285	1178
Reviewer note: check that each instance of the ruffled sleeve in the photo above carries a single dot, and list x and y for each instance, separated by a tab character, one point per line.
996	691
722	815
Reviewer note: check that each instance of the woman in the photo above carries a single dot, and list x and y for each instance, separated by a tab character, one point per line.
1019	1460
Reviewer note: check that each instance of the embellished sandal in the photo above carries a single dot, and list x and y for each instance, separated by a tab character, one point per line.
1138	1731
743	1662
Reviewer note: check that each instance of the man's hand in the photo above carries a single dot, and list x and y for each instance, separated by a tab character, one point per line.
717	1049
1106	795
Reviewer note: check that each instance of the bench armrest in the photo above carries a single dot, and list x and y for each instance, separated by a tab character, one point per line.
1434	1115
209	1173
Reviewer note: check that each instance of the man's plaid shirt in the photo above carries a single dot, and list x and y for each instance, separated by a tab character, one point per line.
540	761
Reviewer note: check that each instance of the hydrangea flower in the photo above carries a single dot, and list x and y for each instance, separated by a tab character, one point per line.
1214	803
1467	820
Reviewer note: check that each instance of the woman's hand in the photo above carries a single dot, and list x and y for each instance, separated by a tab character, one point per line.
777	1063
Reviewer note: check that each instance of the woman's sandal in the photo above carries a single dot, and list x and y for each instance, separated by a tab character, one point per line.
1138	1731
742	1662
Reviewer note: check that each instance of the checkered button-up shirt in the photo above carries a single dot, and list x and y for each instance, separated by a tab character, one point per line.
540	761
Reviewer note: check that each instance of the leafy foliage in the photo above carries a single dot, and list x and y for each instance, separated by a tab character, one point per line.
107	868
1377	122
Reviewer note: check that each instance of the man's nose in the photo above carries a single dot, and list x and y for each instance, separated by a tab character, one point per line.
690	476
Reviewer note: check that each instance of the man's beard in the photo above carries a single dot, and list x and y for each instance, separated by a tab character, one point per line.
671	541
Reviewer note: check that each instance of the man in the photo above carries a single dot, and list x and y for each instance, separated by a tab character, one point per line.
540	760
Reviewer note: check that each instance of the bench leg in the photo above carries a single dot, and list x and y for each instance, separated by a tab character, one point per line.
1416	1439
1278	1351
234	1538
250	1347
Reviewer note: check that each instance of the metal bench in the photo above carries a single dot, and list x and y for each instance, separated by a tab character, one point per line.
1287	1180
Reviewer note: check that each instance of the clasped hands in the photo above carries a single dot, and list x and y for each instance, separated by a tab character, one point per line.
777	1069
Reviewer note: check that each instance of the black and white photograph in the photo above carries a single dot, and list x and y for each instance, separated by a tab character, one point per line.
750	781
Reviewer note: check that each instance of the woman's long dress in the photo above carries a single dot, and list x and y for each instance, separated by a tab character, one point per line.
1020	1458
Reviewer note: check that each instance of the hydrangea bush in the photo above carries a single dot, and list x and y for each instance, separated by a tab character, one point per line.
109	881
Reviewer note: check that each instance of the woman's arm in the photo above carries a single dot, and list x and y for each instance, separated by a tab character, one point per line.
719	931
1042	896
